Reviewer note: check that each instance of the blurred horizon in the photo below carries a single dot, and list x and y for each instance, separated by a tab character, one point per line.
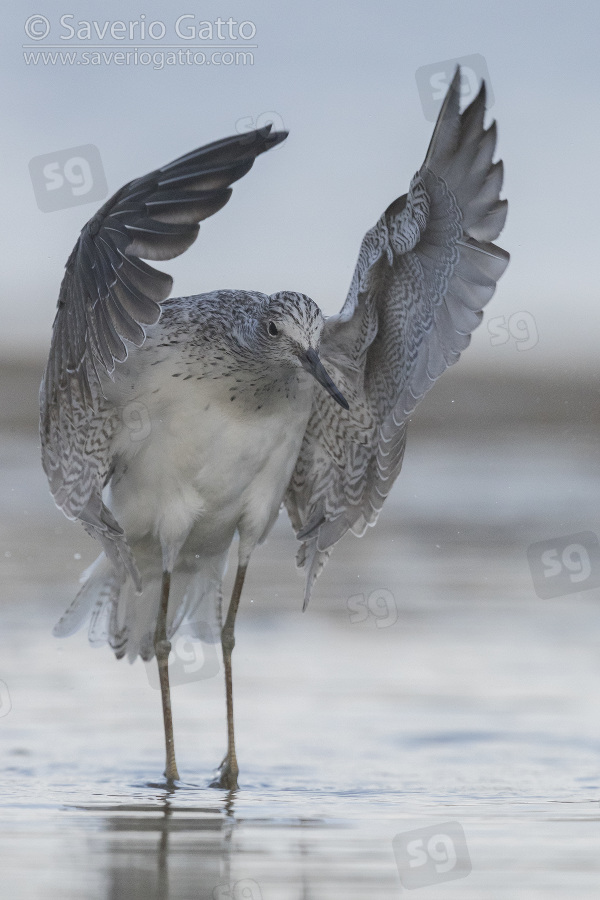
463	398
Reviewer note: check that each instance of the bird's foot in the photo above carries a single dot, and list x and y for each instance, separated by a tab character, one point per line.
226	776
171	776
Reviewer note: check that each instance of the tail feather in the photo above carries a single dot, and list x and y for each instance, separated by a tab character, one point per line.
97	589
126	620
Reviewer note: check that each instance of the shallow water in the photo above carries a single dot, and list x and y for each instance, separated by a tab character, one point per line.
428	685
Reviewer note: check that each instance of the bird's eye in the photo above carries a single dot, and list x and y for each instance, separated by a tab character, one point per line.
272	329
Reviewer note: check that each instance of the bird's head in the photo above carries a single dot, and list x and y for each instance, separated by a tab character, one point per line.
292	325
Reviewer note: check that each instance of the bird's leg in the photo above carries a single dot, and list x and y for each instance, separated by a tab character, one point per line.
162	648
229	768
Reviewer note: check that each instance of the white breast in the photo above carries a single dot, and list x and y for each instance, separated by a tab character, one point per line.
206	465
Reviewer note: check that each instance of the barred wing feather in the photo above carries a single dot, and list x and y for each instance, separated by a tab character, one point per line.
107	296
423	275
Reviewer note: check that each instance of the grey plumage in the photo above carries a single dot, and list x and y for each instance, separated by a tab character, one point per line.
107	297
423	275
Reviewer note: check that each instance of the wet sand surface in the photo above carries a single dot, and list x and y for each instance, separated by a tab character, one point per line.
428	686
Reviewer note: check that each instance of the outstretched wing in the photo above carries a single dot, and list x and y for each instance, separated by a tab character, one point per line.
107	296
424	273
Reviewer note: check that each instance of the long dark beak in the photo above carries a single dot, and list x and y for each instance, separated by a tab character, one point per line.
311	362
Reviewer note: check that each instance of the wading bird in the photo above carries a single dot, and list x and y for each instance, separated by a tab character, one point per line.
250	400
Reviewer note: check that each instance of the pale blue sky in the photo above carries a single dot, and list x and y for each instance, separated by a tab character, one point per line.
342	80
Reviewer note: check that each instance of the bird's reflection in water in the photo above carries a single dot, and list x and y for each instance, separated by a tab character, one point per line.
168	852
171	852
